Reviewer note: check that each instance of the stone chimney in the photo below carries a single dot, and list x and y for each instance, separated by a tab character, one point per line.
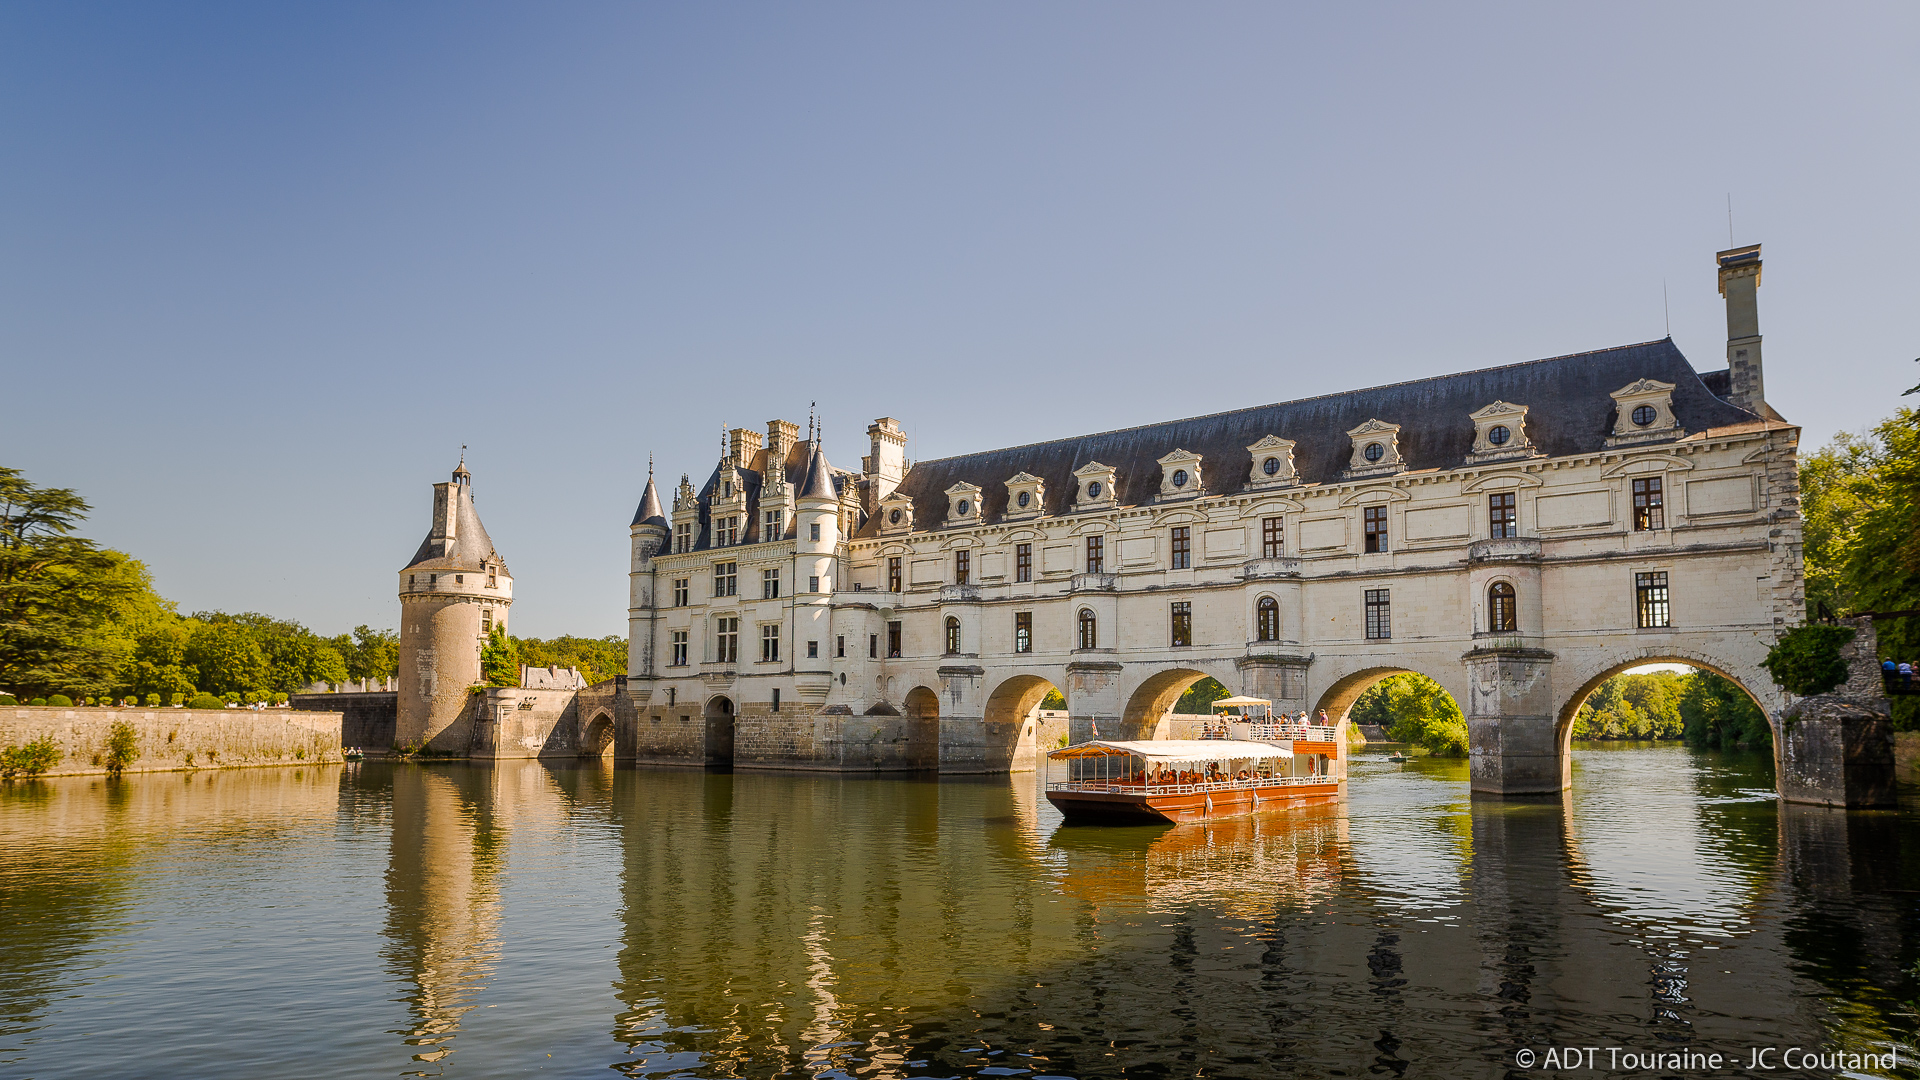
781	435
1739	282
742	444
887	465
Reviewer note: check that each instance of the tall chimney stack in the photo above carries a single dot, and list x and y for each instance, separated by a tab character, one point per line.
1739	282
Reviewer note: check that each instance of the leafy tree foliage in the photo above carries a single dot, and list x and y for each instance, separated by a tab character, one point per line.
1719	715
1645	705
597	659
1199	698
1806	660
499	659
1414	709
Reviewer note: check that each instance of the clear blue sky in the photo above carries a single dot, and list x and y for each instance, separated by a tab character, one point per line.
265	267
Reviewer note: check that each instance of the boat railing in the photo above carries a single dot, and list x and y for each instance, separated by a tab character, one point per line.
1135	787
1289	732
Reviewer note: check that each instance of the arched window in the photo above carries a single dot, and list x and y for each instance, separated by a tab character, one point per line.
953	634
1089	630
1269	621
1502	612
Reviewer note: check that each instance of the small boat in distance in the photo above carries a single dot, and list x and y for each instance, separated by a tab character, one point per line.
1246	761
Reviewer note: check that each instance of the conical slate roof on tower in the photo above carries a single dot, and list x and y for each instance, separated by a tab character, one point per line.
457	540
650	512
819	481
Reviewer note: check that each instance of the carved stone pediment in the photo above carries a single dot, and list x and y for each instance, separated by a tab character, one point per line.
963	504
1376	450
1643	412
1272	464
1026	497
1095	484
1180	475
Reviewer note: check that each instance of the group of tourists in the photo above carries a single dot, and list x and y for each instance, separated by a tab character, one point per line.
1898	675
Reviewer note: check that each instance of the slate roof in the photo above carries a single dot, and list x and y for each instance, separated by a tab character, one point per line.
470	547
1570	412
819	482
798	469
650	512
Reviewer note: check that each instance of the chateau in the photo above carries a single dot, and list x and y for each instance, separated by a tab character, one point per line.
1519	534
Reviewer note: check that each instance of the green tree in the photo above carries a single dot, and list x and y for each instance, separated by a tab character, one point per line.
1199	698
371	654
159	663
1414	709
228	658
597	659
1644	705
499	659
1719	715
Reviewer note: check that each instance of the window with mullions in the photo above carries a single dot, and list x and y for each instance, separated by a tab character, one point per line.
1089	629
678	640
1272	537
1379	615
683	537
1650	599
1503	608
962	567
1181	554
1182	623
1375	518
726	579
680	591
1023	562
953	635
726	531
893	574
1267	620
769	584
1649	512
769	643
893	640
1023	631
1096	554
1502	520
726	640
773	525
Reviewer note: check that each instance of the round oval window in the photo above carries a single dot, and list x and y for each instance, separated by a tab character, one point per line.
1025	498
1498	436
1374	451
1093	490
1644	415
962	508
894	518
1270	466
1179	478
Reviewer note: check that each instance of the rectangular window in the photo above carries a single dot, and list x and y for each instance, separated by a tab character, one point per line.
1501	517
1379	615
726	579
486	620
1023	562
726	531
813	583
1376	528
962	566
673	694
1648	510
769	643
840	645
680	591
683	536
1182	623
770	584
813	650
773	525
1023	631
873	646
1650	596
1181	556
814	531
776	699
726	641
491	582
893	574
893	639
1272	537
679	642
1096	554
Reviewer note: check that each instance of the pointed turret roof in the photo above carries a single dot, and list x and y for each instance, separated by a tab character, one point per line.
465	546
650	512
819	481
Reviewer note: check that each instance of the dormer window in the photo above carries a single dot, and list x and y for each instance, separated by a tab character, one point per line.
1498	435
1095	488
1272	463
1645	415
962	506
1180	476
1376	449
1026	498
726	489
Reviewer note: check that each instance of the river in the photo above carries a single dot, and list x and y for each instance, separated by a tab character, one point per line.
372	920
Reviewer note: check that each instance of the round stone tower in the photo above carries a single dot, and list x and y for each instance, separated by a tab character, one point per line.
453	593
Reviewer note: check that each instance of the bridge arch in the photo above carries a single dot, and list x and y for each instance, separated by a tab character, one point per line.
1009	717
922	711
596	739
1338	698
718	715
1587	677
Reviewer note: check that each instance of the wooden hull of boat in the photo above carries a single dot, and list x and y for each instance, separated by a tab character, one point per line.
1127	808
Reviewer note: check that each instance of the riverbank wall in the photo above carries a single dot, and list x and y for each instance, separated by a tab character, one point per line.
169	740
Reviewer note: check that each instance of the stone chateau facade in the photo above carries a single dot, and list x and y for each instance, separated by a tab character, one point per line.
1519	534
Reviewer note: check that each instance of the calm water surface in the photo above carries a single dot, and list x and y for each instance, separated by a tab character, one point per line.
447	920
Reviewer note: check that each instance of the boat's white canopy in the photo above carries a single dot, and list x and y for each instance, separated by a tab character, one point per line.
1235	702
1177	750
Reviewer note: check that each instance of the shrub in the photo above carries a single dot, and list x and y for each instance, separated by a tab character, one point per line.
60	701
1807	660
152	701
38	701
279	699
205	701
32	759
8	699
176	700
87	701
123	746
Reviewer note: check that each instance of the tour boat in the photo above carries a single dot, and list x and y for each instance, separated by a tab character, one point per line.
1251	763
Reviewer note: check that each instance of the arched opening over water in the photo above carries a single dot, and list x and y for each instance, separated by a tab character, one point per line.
597	740
1436	712
719	735
1752	684
923	728
1153	700
1019	714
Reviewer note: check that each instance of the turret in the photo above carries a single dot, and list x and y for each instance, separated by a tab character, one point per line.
648	536
453	592
817	521
1740	284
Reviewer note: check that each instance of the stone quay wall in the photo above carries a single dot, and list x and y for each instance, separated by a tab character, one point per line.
367	718
177	739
